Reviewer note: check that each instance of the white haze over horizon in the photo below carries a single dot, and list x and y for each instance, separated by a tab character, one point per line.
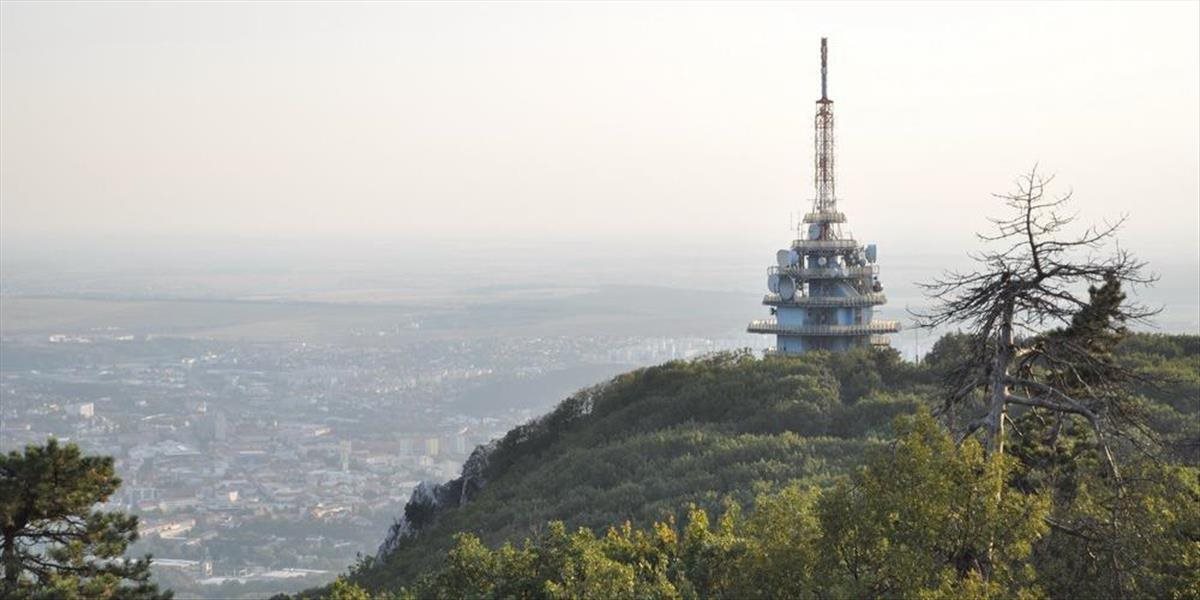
205	135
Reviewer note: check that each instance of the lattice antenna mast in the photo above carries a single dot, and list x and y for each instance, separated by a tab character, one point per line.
824	287
826	200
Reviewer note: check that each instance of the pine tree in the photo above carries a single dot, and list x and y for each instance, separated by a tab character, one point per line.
54	543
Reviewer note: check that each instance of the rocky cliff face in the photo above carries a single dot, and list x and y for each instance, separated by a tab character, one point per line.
429	498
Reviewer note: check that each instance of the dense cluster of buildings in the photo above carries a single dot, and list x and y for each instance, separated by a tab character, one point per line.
276	463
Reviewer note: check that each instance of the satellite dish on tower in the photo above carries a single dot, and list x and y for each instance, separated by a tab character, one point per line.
872	254
793	257
787	288
773	283
782	257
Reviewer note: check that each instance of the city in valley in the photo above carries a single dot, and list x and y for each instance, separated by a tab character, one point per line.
262	461
266	439
583	300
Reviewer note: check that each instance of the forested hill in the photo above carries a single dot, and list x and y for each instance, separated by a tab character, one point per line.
645	445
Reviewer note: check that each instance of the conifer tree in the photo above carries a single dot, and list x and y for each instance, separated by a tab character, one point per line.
1030	280
54	543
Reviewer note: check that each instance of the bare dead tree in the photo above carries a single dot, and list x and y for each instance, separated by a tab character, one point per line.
1038	308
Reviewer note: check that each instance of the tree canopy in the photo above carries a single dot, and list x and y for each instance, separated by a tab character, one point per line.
876	498
55	545
923	518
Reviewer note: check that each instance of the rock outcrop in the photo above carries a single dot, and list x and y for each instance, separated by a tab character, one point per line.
430	498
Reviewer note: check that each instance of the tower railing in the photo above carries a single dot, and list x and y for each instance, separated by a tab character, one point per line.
825	216
871	299
872	328
824	272
824	245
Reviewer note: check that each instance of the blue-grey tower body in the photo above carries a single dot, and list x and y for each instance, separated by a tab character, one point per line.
825	287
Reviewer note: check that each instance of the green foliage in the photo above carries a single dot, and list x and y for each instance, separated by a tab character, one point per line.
648	443
874	415
54	544
826	483
344	589
951	528
1168	388
625	563
1139	537
946	354
924	514
341	589
1139	540
1171	381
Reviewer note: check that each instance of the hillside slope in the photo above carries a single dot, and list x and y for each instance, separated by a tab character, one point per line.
646	444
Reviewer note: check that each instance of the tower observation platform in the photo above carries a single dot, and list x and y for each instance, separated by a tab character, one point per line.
824	288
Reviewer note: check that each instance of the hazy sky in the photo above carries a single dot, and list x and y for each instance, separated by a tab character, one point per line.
619	119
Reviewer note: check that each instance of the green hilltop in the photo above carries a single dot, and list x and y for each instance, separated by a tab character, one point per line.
714	432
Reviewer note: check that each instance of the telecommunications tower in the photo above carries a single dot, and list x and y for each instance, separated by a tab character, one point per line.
824	289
